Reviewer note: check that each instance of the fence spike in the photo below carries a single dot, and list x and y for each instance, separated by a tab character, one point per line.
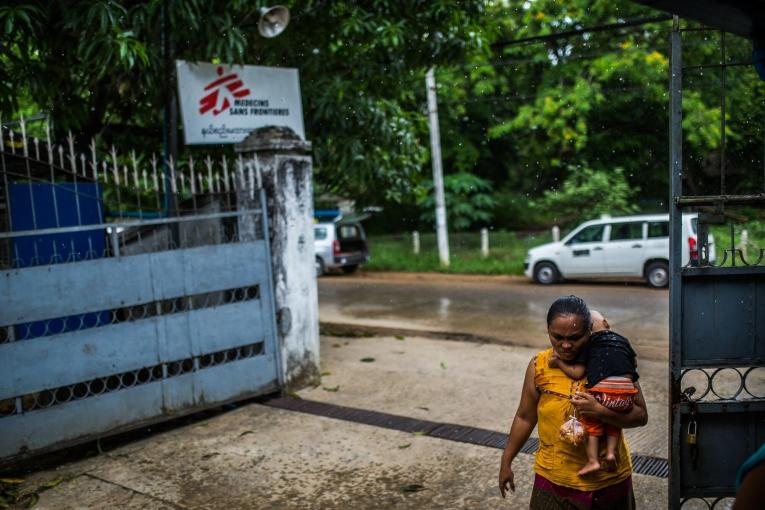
135	170
72	157
115	170
94	161
105	169
145	180
83	165
2	141
61	157
173	184
201	182
154	172
23	125
191	176
12	141
225	174
251	183
50	147
240	174
209	177
37	148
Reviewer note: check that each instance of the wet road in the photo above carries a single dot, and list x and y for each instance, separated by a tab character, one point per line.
509	309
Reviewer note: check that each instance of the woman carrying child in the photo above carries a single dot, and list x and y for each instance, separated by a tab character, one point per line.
548	399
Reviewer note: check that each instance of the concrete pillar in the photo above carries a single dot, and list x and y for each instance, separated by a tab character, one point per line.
281	160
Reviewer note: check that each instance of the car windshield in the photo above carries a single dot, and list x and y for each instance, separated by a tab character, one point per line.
348	232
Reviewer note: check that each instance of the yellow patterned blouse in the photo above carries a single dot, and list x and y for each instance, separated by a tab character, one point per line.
558	460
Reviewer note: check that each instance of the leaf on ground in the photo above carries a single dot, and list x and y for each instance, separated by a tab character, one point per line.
367	360
335	345
292	394
52	483
330	389
32	500
443	365
419	433
12	481
412	487
325	374
246	432
209	455
423	408
402	446
399	337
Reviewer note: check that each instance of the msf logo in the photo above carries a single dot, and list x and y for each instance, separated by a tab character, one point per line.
230	82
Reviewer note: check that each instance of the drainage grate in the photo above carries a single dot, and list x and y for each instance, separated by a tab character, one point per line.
641	464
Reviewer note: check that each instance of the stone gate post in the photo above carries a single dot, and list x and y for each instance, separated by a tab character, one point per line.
283	162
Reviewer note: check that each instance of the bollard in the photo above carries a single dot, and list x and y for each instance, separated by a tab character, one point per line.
416	242
744	242
484	242
556	233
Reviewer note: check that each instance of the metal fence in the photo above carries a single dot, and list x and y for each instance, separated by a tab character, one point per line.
131	292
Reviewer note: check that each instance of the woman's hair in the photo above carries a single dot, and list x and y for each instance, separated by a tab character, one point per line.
570	305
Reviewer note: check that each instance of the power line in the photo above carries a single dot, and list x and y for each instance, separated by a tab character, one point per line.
580	31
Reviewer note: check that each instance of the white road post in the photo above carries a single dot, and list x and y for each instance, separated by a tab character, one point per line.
438	177
556	233
484	242
416	242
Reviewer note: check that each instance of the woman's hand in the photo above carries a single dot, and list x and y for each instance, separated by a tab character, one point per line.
506	478
586	405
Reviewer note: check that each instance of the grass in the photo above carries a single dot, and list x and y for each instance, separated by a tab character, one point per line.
508	249
506	252
756	241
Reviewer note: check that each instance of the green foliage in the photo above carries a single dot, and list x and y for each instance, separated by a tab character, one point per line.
467	197
587	194
97	67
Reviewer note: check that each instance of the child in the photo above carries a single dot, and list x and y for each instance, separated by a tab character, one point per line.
611	370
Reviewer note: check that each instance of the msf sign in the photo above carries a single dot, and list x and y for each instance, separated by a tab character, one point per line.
231	83
224	103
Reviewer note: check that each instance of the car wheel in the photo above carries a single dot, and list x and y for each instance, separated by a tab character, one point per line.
319	267
546	273
350	269
657	275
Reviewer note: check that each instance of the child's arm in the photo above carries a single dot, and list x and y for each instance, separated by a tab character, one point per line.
573	370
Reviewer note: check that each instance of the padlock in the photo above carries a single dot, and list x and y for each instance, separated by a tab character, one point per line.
691	436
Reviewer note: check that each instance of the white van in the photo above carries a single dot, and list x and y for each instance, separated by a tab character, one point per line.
627	246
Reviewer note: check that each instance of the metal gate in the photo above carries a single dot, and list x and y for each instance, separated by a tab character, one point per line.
108	325
717	332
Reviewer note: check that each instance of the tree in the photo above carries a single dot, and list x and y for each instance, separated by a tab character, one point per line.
97	68
467	197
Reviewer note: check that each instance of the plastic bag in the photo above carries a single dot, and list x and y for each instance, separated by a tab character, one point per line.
572	431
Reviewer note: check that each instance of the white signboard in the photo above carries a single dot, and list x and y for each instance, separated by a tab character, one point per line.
223	104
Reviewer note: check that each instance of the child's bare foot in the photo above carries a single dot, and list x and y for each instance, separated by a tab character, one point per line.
591	467
609	463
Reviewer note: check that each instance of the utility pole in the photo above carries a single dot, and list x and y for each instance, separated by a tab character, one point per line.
438	175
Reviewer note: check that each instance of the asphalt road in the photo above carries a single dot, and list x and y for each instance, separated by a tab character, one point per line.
510	310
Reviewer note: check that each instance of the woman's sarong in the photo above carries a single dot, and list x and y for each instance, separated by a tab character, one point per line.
548	496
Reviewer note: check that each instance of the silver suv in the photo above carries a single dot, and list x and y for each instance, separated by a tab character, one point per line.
339	245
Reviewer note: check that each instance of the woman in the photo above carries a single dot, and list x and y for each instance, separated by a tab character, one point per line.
548	398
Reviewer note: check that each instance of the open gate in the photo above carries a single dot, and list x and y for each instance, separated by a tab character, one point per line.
717	332
108	325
